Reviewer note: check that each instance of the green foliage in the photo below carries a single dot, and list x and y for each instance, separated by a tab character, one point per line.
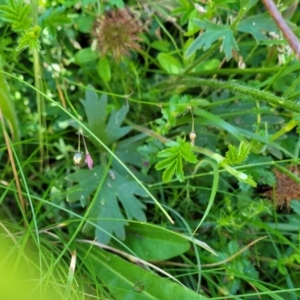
8	107
104	69
236	156
29	39
143	239
174	154
256	25
54	17
107	188
108	191
26	272
169	63
218	72
17	13
96	113
212	34
178	106
125	280
241	265
117	3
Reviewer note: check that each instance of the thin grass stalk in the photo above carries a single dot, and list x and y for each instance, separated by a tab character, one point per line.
13	165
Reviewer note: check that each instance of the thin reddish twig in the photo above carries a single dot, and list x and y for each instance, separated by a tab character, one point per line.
282	25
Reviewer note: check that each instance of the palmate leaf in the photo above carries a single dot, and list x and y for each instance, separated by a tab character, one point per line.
108	131
257	24
213	33
173	162
106	211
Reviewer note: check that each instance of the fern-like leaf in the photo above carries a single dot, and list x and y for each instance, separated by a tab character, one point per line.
17	14
54	17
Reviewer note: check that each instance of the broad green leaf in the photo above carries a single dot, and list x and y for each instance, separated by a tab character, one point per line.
169	63
163	45
247	4
95	110
84	23
103	68
106	210
127	150
85	56
295	205
257	24
87	182
192	27
212	34
210	64
153	243
113	129
127	281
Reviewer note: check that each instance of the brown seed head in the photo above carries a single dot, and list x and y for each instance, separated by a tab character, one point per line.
117	32
286	189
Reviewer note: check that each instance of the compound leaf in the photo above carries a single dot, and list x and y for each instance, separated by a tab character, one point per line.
173	162
17	13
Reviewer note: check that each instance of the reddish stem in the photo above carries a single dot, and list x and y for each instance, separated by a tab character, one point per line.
282	25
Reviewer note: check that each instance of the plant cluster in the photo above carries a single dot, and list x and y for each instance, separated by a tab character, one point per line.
149	149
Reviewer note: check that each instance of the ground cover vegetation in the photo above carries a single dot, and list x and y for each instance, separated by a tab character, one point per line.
149	149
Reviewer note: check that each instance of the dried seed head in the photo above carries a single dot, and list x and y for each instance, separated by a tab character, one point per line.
285	189
117	32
